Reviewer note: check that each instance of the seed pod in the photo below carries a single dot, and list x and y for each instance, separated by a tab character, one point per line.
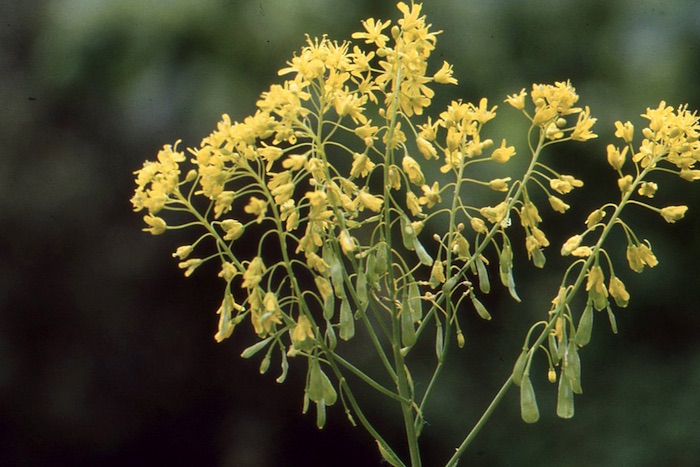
331	339
415	303
361	291
482	273
480	308
565	398
519	367
529	411
439	343
585	326
408	331
347	322
572	367
255	348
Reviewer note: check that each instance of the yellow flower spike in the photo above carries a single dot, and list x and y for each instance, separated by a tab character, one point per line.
648	189
517	100
156	225
503	153
624	131
558	205
571	244
499	184
413	170
618	292
672	214
625	183
616	158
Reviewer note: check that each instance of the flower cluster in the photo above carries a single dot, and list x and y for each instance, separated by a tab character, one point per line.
322	209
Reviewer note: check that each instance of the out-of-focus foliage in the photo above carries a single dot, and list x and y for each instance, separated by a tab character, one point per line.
95	367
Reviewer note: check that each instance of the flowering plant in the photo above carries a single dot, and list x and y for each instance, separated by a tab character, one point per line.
365	233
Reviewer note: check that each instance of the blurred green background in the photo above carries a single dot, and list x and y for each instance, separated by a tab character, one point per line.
106	351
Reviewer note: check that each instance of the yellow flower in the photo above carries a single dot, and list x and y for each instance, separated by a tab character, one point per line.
190	265
426	148
256	207
495	214
624	131
499	184
253	274
412	203
183	252
639	256
673	213
597	291
616	158
444	74
503	153
374	34
233	229
361	165
478	225
595	217
517	100
582	252
302	331
529	215
412	170
324	287
347	243
618	292
431	195
625	183
223	203
564	184
648	189
228	271
571	244
582	130
157	225
558	205
367	200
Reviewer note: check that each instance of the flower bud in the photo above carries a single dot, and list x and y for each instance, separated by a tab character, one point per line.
478	225
558	205
595	217
618	292
499	184
616	159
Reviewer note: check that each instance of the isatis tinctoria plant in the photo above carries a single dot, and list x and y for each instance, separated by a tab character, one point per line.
341	214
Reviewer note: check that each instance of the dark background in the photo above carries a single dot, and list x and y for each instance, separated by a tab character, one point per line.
106	351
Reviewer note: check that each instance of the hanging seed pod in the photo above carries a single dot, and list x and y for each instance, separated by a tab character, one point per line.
439	343
585	326
362	294
529	411
329	307
482	273
415	303
565	397
423	255
572	367
255	348
613	321
331	339
407	233
320	415
388	455
284	365
347	322
480	308
408	331
519	367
